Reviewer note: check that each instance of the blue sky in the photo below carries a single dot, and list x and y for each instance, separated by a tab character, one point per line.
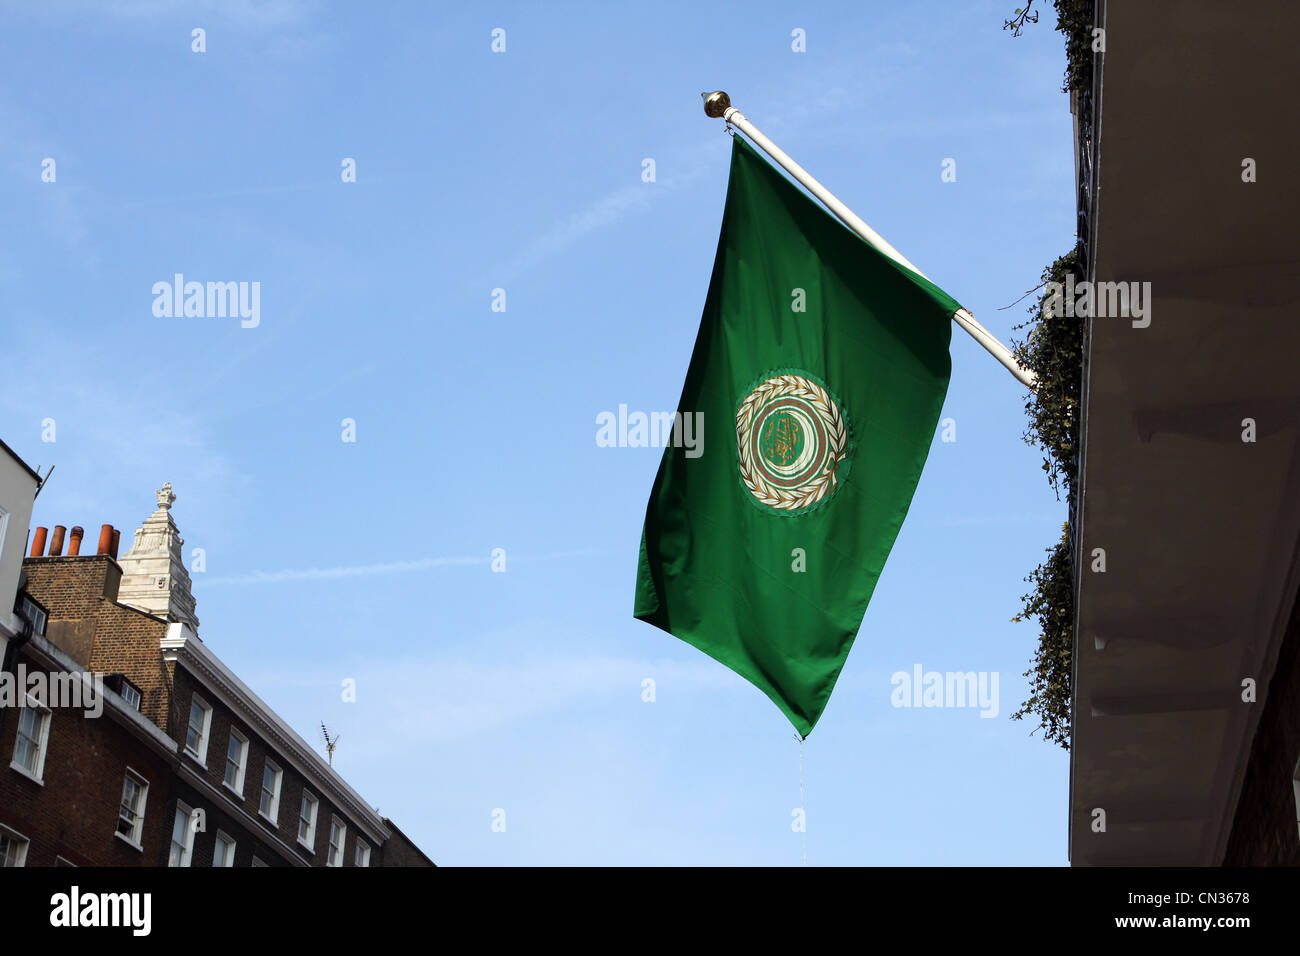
475	429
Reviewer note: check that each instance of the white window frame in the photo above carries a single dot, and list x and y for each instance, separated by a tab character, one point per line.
310	840
22	843
132	695
137	833
238	785
39	618
42	741
229	856
187	847
330	852
201	754
274	815
361	855
4	526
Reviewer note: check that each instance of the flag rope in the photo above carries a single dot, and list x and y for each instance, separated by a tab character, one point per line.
803	811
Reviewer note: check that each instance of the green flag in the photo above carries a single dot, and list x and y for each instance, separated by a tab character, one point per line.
820	370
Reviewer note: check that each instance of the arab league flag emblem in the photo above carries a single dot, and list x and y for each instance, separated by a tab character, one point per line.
821	367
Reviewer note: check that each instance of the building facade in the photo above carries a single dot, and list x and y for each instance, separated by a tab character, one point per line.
20	617
19	485
1185	748
165	757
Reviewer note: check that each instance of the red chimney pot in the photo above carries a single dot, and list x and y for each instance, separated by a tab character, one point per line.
38	542
56	541
105	538
74	540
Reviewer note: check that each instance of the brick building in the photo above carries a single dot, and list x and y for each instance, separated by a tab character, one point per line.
61	796
175	762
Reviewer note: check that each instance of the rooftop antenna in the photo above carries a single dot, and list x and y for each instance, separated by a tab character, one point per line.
40	482
331	741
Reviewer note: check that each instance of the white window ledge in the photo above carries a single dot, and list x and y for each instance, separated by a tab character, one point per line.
15	765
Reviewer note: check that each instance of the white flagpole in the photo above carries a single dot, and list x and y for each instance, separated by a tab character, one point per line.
718	105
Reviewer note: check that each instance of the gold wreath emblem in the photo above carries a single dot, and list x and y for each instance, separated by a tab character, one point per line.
818	485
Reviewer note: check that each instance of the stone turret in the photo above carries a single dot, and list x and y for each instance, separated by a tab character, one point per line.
154	578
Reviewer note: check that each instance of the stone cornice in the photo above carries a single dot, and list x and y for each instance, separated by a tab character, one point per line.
183	646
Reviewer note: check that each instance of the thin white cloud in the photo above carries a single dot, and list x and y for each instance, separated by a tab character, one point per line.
92	415
248	14
384	567
424	701
791	111
30	141
605	211
614	207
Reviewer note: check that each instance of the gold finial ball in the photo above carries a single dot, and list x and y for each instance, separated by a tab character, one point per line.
716	104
